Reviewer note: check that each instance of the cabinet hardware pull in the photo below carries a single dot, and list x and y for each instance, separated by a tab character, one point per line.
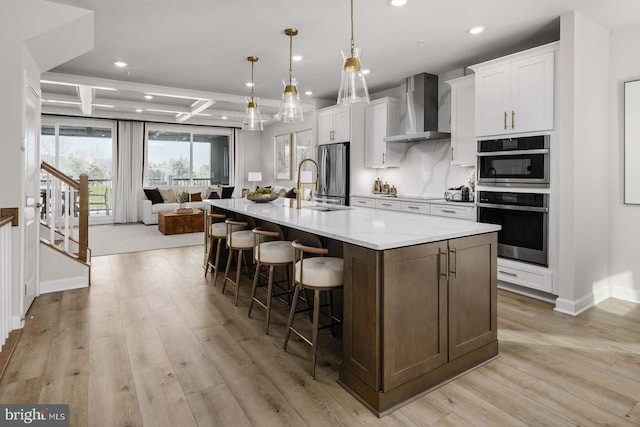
507	273
448	211
454	251
505	119
361	201
413	207
385	204
443	271
383	158
513	119
451	153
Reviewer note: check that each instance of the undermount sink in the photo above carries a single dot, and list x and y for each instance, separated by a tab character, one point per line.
325	208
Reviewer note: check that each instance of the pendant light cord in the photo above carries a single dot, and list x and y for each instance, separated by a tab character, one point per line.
290	57
252	83
353	44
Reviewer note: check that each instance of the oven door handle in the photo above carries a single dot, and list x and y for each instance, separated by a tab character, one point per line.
513	207
513	152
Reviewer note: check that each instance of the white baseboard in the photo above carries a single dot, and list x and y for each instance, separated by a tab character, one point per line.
625	294
574	308
63	284
16	323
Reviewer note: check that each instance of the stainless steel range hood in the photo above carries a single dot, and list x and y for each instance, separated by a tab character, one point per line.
421	122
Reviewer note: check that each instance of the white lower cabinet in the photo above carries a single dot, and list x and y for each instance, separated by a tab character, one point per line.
363	202
392	205
527	275
451	211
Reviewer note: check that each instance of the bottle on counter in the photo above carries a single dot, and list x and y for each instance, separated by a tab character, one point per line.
393	190
385	188
377	186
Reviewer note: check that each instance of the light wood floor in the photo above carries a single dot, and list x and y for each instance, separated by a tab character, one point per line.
153	343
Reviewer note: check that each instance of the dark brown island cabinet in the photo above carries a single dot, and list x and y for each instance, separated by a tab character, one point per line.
417	316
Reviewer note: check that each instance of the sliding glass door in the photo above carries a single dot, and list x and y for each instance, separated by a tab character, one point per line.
187	156
77	146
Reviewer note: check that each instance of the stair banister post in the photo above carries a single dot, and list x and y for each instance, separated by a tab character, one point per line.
83	223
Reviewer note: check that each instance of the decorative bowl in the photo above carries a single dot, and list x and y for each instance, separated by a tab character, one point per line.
262	198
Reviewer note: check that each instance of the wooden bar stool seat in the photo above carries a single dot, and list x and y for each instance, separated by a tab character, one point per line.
272	254
317	274
237	241
217	233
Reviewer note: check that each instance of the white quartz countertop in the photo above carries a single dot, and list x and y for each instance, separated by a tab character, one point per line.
370	228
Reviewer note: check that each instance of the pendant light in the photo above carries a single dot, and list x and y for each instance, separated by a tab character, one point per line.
353	87
252	119
290	108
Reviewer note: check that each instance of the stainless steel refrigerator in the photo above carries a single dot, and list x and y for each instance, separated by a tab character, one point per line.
333	160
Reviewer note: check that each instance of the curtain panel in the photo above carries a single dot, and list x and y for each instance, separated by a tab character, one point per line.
130	143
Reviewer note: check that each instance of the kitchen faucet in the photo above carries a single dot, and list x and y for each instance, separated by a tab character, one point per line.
299	185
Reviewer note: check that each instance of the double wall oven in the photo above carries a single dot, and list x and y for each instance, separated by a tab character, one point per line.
518	164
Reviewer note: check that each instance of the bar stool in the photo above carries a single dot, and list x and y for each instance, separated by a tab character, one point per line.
317	274
239	241
217	233
272	254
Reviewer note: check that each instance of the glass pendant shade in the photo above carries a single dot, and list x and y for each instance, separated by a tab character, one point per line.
290	108
252	119
353	87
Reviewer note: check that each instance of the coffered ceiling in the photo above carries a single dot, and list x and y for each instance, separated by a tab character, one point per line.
190	55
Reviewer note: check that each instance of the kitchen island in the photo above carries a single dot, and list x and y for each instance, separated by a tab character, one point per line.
420	294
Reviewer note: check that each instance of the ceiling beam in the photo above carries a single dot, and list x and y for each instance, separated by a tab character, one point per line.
86	98
155	90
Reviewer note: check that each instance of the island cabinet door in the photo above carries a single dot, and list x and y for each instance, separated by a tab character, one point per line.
414	295
361	325
472	293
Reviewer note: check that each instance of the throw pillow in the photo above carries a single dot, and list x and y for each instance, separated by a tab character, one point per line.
195	197
168	195
154	195
213	195
226	192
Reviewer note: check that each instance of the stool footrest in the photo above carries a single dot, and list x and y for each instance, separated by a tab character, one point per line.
301	335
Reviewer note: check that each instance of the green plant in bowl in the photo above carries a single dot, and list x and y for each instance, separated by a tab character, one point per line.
262	195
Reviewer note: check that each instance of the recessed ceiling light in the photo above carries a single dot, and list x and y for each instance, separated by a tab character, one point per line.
224	117
366	71
103	105
148	97
138	110
120	64
476	30
248	84
297	57
308	93
398	2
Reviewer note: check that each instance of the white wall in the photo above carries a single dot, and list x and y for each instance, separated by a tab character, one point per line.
584	145
23	24
624	267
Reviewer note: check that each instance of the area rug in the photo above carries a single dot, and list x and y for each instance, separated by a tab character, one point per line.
123	238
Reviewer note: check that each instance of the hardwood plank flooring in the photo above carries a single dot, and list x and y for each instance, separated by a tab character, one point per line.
154	343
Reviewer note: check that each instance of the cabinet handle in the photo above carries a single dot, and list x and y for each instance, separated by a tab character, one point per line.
505	119
451	153
443	271
361	202
454	251
386	204
383	158
513	119
448	211
413	207
507	273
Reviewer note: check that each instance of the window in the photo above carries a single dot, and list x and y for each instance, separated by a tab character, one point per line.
185	155
77	146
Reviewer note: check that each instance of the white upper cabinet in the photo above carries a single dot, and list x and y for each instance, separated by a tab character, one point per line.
463	141
382	118
515	94
334	125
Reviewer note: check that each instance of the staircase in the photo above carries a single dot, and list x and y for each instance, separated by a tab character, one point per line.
65	260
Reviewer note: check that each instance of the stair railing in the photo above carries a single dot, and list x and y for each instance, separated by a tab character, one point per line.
63	200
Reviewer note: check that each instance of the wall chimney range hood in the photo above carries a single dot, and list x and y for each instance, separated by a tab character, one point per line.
421	121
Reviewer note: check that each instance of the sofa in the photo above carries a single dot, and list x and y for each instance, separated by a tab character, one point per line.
150	204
